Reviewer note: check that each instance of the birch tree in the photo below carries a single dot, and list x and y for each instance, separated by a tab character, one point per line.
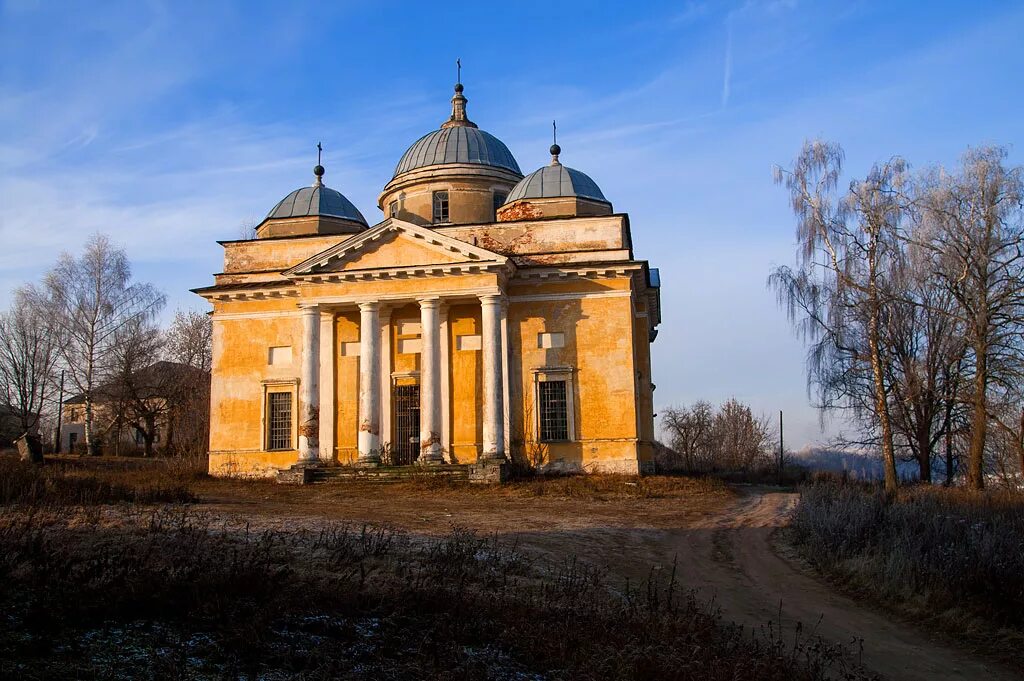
839	291
28	355
91	298
974	231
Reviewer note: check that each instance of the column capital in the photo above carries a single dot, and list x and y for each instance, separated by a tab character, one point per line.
497	298
309	308
429	301
369	306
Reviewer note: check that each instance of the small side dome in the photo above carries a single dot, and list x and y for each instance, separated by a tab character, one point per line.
556	181
317	201
329	209
554	191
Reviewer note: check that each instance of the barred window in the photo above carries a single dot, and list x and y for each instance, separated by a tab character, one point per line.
279	416
393	209
499	201
440	207
554	411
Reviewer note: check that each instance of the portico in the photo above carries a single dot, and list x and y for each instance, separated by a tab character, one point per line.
318	394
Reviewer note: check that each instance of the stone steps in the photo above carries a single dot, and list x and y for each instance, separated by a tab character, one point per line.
385	474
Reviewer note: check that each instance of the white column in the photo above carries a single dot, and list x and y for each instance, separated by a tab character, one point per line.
494	412
369	383
309	391
328	395
385	376
506	393
446	429
430	383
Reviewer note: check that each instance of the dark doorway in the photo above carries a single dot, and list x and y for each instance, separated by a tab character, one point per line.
405	447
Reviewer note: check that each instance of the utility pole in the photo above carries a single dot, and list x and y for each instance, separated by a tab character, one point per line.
60	413
782	449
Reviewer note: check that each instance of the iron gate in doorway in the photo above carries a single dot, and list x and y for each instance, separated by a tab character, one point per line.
405	446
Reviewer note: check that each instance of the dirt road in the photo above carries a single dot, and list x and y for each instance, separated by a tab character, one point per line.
728	556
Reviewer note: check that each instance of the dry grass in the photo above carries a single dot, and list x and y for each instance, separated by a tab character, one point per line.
952	558
78	482
89	591
168	594
593	486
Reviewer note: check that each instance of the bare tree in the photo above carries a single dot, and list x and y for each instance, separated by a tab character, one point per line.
28	355
741	441
924	349
730	438
247	229
974	231
137	389
190	339
91	298
689	430
190	342
839	291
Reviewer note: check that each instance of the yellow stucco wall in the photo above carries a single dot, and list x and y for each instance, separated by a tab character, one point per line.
346	387
598	358
241	376
465	367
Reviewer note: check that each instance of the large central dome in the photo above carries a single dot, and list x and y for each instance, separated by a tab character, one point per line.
457	144
456	175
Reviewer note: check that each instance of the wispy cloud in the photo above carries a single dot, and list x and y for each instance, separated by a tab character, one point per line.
727	70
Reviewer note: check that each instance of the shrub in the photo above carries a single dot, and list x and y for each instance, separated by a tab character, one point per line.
933	548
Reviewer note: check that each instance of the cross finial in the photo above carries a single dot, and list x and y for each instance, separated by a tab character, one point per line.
458	70
555	149
318	170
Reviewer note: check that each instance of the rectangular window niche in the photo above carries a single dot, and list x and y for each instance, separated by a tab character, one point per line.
409	346
280	356
468	343
551	340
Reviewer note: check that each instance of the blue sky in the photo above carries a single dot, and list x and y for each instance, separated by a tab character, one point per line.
169	124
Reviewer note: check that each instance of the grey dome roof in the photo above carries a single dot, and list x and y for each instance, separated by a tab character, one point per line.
457	144
316	200
556	180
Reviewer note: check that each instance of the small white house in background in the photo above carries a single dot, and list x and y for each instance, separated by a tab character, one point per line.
121	430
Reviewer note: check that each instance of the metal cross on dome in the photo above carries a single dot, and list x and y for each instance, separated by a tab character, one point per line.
319	150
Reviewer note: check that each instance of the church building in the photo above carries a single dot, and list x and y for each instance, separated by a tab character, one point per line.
488	319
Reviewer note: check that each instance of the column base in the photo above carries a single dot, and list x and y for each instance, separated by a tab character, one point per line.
366	463
300	473
490	472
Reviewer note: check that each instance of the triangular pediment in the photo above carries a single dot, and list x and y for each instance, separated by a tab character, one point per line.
395	245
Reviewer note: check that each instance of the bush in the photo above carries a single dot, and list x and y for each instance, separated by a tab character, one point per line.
933	549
